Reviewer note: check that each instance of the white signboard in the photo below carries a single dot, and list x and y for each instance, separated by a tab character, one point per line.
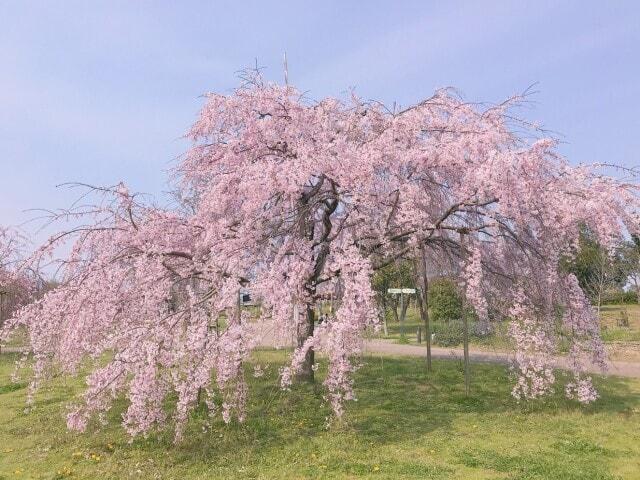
401	290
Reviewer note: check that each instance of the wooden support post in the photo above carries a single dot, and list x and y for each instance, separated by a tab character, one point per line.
466	353
2	294
465	327
402	335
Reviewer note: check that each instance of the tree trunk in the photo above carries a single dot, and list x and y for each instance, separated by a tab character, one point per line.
405	306
305	330
394	309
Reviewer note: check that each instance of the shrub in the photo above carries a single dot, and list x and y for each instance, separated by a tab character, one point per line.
445	303
449	334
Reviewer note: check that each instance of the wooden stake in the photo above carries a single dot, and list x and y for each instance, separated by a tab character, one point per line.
465	338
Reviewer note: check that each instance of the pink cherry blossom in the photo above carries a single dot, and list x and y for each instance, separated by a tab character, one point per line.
295	198
18	284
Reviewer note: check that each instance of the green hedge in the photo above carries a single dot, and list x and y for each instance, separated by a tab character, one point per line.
448	334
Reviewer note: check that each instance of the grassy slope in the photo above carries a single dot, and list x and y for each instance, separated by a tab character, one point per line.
406	424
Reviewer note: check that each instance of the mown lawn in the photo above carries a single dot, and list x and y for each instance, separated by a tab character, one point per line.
406	424
496	341
612	330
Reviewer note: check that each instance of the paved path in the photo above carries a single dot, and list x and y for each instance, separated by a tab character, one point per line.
386	347
12	349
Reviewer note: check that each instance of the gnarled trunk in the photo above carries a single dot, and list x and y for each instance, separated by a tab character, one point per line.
305	330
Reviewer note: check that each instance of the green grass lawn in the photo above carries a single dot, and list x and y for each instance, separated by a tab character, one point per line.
18	339
405	424
497	341
611	330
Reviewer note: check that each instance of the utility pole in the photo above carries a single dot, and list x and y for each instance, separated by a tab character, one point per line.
286	70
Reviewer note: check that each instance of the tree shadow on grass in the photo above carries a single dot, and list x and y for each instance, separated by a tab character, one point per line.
398	401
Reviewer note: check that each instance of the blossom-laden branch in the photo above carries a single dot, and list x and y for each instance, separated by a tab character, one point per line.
294	199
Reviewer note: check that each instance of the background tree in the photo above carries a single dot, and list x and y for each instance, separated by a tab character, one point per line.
398	274
630	253
445	300
16	286
597	269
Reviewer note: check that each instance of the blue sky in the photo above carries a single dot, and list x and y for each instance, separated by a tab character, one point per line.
102	91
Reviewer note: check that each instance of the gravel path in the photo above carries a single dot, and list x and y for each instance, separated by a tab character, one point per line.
12	349
386	347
